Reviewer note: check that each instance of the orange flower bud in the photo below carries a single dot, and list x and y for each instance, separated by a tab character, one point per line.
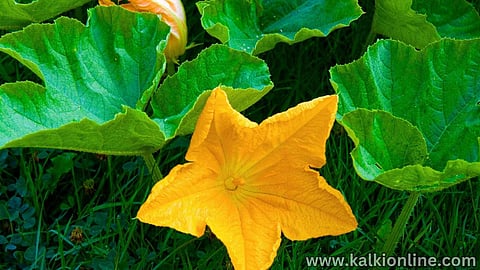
172	13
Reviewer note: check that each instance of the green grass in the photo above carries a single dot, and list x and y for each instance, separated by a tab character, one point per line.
45	194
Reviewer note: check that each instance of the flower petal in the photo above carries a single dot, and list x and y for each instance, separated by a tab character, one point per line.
220	131
183	200
250	235
294	139
305	205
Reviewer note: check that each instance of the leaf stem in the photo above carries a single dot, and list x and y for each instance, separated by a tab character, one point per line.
370	39
400	224
372	34
170	68
152	166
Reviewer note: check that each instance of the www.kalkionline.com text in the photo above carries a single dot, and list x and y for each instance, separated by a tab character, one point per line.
381	260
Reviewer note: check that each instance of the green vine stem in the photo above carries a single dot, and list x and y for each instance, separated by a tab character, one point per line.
170	68
152	167
370	40
400	224
149	159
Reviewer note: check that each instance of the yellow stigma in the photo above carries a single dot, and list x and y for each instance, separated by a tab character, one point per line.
232	183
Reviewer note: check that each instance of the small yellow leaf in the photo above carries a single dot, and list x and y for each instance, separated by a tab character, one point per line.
249	182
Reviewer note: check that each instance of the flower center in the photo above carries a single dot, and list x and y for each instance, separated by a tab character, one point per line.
232	183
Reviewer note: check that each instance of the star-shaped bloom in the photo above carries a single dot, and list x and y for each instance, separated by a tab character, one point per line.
250	182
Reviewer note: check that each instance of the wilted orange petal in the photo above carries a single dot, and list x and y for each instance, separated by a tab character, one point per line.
106	3
172	13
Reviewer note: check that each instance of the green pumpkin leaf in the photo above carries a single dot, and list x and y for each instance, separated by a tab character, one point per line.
180	99
391	151
380	145
425	179
15	15
396	19
453	19
433	92
94	75
420	23
256	26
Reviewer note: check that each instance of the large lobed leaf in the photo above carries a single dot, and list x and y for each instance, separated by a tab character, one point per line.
256	26
421	126
93	76
15	15
454	19
420	23
180	99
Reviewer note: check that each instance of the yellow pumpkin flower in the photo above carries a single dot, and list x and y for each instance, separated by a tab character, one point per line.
250	182
172	13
